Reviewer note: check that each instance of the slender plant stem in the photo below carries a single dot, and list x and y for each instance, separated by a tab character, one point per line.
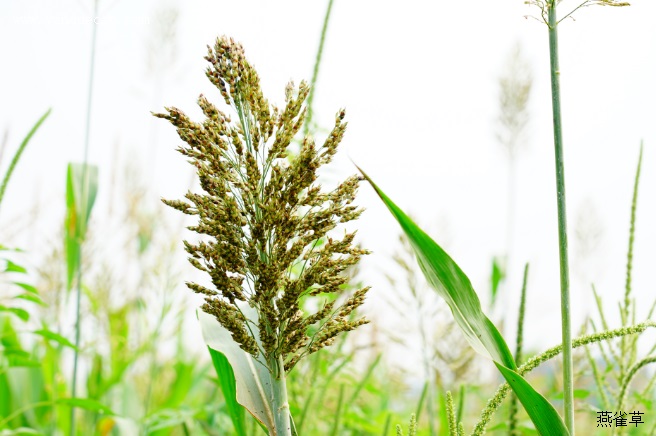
315	72
568	380
85	188
338	412
512	420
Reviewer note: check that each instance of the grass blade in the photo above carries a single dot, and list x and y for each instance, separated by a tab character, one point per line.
19	152
451	283
253	381
542	413
228	386
80	198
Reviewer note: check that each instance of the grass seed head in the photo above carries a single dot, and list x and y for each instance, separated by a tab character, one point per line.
262	217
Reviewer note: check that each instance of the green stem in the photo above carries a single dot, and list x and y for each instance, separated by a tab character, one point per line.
281	416
85	184
568	380
512	420
629	376
315	72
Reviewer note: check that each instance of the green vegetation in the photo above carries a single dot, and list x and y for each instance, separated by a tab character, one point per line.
94	342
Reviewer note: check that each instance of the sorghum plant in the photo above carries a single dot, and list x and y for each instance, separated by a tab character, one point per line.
267	228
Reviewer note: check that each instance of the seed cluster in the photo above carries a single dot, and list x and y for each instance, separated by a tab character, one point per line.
264	220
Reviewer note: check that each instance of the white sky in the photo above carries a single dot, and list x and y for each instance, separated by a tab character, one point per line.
419	82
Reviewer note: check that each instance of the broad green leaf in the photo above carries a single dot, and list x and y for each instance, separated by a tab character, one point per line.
84	403
81	191
542	413
252	379
52	336
226	378
18	358
451	283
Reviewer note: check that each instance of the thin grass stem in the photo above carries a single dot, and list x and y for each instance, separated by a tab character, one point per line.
338	412
422	399
512	418
388	422
315	71
85	187
364	379
568	379
629	376
461	403
600	381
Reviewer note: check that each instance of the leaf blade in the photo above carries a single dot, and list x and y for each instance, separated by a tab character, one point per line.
451	283
228	386
252	380
544	416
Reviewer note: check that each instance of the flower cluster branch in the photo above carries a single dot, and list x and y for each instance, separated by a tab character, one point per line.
544	6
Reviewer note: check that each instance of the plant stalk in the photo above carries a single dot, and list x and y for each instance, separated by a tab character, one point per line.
315	71
279	401
85	188
568	382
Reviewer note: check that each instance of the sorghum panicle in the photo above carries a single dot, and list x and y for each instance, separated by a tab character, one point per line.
261	216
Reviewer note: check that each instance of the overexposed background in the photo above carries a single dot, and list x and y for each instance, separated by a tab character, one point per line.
419	81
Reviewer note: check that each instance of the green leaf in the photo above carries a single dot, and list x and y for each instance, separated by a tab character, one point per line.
52	336
542	413
29	288
32	298
81	191
19	152
21	313
22	431
498	275
227	383
85	403
252	379
451	283
20	358
13	267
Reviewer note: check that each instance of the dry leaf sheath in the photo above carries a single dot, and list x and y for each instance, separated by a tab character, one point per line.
264	220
